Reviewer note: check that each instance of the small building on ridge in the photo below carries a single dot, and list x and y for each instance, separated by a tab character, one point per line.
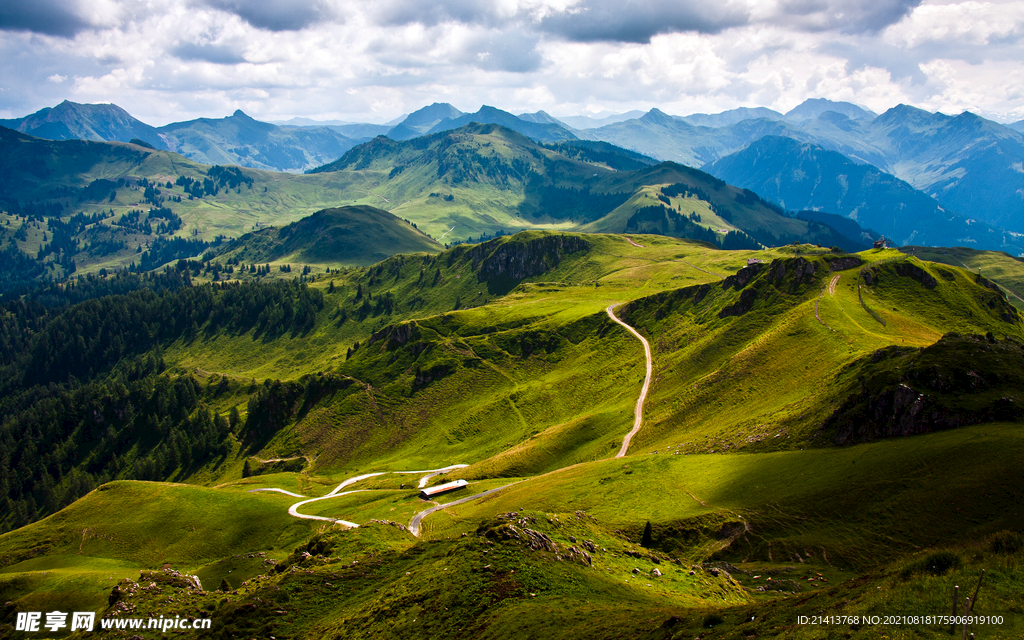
430	492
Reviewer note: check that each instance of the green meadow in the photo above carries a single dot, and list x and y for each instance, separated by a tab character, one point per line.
791	461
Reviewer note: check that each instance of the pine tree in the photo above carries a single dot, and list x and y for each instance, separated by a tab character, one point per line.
645	540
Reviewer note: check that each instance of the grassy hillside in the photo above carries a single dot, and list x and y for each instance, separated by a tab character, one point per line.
116	186
483	179
74	558
997	266
352	235
501	356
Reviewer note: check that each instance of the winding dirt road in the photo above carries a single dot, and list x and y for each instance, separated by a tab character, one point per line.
414	525
337	492
287	493
638	412
832	285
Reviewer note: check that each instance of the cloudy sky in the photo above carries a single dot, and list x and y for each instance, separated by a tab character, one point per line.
372	61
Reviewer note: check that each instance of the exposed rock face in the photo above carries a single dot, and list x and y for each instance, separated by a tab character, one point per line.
123	590
741	306
908	269
844	263
517	260
743	276
396	335
959	381
512	527
783	274
803	270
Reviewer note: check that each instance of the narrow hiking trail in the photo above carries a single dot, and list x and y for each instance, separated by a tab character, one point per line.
337	491
831	288
414	525
832	285
638	412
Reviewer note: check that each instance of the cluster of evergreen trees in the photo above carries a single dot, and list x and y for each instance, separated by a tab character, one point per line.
61	237
569	203
18	269
90	337
217	178
172	221
667	222
34	209
164	250
133	221
60	442
195	188
100	189
230	177
84	397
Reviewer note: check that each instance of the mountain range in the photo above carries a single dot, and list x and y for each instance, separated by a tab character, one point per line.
950	159
481	178
646	437
969	167
236	139
801	175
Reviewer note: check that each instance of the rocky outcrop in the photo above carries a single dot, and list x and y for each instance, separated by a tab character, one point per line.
908	269
905	412
801	269
516	259
740	279
959	381
395	335
741	306
512	527
843	263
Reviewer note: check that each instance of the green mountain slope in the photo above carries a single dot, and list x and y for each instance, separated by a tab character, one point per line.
353	235
997	266
240	140
482	179
541	131
96	122
79	207
501	356
805	176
